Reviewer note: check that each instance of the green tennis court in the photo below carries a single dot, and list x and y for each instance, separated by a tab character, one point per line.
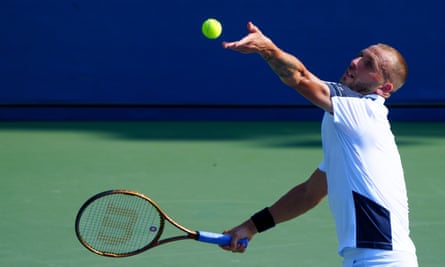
207	175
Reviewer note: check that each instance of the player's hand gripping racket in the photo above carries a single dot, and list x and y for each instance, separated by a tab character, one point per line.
121	223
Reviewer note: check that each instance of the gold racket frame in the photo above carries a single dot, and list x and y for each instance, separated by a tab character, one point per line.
156	242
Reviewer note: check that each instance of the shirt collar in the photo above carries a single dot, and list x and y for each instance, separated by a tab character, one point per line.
376	97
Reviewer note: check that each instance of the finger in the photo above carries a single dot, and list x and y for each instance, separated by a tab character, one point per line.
252	28
240	248
228	44
231	45
234	244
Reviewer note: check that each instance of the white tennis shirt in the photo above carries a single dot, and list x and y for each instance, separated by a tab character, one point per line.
366	187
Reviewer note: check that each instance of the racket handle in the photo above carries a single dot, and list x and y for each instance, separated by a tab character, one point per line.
219	239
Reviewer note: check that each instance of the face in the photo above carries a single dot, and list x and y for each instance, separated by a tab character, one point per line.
367	72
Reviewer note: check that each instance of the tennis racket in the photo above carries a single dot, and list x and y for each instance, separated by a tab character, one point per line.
122	223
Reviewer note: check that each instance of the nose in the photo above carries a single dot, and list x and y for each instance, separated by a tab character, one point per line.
354	63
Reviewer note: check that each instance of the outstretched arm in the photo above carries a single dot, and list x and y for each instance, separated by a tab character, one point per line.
289	68
297	201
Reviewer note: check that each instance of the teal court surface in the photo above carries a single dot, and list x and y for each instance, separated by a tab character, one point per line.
206	175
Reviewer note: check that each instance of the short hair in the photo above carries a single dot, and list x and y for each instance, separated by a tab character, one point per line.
398	70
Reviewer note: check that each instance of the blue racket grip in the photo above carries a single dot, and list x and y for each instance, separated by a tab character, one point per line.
219	239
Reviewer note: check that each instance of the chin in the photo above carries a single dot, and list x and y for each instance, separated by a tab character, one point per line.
345	82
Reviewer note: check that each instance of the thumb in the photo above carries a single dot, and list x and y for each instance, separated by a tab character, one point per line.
252	27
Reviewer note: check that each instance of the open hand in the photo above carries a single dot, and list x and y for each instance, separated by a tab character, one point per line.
255	41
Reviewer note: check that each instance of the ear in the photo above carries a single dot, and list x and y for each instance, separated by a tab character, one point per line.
385	90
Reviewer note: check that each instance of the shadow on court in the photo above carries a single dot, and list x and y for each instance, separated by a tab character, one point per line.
306	134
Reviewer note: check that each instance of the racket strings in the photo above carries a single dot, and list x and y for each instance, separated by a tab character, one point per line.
120	224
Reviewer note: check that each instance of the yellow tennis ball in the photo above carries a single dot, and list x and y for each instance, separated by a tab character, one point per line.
211	28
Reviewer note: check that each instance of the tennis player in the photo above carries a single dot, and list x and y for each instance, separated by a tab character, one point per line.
361	171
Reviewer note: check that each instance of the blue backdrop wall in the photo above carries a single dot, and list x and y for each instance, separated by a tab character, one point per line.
150	57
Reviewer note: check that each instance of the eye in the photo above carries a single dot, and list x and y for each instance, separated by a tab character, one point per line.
368	63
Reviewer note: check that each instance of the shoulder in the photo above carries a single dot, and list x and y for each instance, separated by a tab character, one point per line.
338	89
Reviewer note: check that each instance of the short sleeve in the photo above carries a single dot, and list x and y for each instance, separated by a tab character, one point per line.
322	166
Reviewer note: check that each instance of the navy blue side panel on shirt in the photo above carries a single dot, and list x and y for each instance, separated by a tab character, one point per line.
373	224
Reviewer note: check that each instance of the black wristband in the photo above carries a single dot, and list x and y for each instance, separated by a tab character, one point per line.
263	220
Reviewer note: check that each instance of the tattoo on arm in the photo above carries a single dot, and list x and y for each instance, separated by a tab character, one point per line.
283	67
